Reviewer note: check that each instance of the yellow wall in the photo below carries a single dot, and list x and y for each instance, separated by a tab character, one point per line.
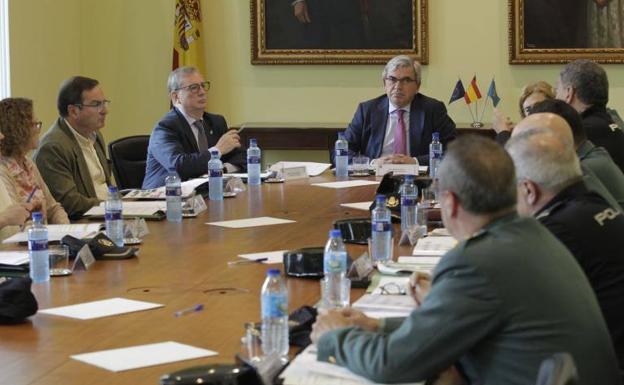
126	44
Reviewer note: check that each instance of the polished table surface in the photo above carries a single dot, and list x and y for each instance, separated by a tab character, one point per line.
179	265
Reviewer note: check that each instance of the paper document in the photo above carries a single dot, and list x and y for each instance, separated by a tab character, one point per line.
103	308
142	356
244	175
385	306
251	222
346	184
313	168
188	189
271	256
132	208
14	258
417	263
434	246
56	232
358	205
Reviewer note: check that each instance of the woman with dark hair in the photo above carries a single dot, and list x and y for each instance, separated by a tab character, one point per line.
18	173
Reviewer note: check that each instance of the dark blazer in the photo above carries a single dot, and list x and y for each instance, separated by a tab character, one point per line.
64	169
173	147
604	132
367	130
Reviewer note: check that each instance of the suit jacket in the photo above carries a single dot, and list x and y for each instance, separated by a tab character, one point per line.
500	302
173	147
64	169
367	130
603	132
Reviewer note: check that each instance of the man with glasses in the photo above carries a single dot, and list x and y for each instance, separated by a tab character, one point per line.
182	140
397	127
71	156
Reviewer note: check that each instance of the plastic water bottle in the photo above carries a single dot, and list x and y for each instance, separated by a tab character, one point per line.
113	215
274	304
335	269
435	155
38	249
342	157
253	163
173	187
409	200
215	177
381	238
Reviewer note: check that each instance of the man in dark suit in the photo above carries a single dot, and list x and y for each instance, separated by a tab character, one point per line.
507	296
181	142
397	127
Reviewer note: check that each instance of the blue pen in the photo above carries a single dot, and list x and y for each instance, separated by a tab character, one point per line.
192	309
32	193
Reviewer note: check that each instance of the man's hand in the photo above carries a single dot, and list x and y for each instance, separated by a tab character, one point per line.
360	320
396	159
328	320
15	215
228	142
501	122
301	12
418	286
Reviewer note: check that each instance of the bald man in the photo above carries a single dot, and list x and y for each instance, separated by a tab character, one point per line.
550	188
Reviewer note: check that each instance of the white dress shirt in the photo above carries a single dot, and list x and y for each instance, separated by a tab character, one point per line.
96	171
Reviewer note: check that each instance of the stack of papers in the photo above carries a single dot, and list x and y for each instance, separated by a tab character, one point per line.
131	208
434	246
56	232
416	263
385	306
14	258
188	189
312	168
346	184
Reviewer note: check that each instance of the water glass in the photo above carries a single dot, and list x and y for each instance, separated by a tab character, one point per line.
59	260
360	166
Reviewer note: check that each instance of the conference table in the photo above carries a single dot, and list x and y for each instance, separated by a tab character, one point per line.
180	265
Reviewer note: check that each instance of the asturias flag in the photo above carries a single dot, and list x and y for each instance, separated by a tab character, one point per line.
187	49
458	92
472	94
492	93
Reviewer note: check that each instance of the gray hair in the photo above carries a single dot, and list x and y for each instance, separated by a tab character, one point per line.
175	77
480	173
403	61
588	79
544	158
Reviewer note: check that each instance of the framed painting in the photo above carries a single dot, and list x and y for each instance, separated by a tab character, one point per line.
337	31
558	31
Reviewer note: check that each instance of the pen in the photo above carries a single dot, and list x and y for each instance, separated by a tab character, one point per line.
244	261
32	193
192	309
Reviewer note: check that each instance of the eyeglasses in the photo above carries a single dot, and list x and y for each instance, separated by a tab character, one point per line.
392	288
194	88
404	81
97	104
37	125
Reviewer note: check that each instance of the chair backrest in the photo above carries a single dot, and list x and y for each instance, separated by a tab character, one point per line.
559	369
129	156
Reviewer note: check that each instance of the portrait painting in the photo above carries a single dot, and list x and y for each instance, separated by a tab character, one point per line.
337	31
557	31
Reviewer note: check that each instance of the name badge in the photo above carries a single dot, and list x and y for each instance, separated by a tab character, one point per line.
84	259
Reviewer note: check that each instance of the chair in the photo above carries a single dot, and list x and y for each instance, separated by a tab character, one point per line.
129	156
559	369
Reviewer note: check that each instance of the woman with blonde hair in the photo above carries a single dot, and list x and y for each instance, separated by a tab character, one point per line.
18	174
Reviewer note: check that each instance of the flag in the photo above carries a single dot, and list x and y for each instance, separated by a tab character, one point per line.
187	47
492	93
472	94
458	92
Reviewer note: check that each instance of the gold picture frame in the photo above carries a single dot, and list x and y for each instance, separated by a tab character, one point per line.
357	32
559	31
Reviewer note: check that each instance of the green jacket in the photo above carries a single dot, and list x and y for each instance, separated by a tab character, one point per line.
64	169
500	303
598	161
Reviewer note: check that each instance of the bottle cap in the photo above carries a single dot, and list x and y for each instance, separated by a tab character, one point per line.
112	189
252	142
436	135
335	233
36	215
380	198
273	272
214	153
341	135
409	178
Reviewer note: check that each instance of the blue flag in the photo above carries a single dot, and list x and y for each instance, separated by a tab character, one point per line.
492	93
458	92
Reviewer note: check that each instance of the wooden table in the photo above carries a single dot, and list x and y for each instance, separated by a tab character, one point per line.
179	265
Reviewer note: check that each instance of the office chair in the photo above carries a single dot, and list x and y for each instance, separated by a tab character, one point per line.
129	156
559	369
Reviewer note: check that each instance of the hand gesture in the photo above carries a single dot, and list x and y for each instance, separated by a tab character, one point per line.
228	142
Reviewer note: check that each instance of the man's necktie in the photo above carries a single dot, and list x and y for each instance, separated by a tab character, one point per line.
202	141
399	134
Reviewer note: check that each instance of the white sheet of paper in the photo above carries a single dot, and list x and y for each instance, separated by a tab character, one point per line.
132	208
434	246
419	263
358	205
188	187
103	308
346	184
251	222
273	256
244	175
142	356
14	258
313	168
56	232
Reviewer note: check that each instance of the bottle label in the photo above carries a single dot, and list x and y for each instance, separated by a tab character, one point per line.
38	245
406	201
381	226
342	152
253	159
112	215
174	191
274	305
215	173
335	264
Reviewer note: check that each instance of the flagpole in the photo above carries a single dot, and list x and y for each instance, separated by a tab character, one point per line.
471	114
484	105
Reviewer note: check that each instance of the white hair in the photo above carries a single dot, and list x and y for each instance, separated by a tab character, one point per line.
403	61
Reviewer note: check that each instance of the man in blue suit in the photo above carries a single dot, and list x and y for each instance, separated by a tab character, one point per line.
397	127
183	139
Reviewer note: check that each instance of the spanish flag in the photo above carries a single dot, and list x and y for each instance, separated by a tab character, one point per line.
472	94
187	47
